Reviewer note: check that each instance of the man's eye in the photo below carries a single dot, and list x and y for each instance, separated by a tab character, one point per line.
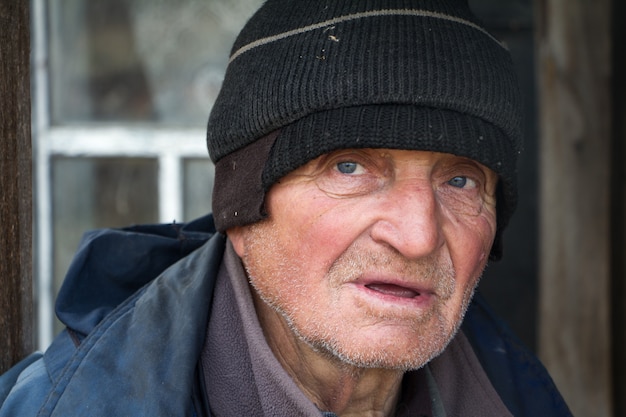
347	167
461	182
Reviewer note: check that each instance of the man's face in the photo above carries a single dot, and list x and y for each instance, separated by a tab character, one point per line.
372	255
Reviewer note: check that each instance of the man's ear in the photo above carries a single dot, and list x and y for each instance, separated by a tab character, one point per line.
236	235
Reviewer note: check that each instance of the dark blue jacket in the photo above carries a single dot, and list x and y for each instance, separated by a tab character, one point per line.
135	303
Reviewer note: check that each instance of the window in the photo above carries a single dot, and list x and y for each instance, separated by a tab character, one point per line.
121	94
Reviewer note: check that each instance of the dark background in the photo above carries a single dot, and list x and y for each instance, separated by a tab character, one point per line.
511	284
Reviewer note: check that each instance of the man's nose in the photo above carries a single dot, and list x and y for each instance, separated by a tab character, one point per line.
410	220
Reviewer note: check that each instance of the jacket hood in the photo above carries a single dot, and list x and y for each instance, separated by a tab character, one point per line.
112	264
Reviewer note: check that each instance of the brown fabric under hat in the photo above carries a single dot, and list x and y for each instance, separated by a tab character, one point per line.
239	194
324	75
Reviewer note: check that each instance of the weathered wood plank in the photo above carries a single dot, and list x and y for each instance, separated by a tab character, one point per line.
575	137
618	217
15	184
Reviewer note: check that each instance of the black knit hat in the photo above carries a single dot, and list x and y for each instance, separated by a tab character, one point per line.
309	77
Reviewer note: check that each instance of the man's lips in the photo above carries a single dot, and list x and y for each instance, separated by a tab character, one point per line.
398	291
393	290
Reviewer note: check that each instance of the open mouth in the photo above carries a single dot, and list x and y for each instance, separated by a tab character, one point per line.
393	290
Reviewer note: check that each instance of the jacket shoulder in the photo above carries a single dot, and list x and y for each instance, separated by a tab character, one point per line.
9	380
517	375
32	383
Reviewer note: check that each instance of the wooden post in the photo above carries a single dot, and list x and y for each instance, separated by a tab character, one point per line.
618	221
15	184
574	61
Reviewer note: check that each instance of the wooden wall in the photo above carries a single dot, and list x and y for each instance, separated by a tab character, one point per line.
618	206
575	126
15	184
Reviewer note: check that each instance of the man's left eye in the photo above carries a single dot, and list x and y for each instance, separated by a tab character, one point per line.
461	182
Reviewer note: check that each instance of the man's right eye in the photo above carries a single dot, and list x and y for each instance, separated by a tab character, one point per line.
350	173
347	167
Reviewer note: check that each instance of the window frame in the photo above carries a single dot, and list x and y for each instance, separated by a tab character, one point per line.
170	146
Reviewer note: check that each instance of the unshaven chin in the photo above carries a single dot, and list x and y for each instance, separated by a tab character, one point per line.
427	333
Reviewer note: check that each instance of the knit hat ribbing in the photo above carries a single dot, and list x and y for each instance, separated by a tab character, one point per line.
411	74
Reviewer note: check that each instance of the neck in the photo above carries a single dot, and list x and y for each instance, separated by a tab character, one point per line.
331	384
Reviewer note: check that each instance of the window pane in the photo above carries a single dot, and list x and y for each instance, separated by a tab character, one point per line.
92	193
198	178
140	61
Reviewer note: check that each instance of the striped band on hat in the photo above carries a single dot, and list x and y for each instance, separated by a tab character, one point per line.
362	15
